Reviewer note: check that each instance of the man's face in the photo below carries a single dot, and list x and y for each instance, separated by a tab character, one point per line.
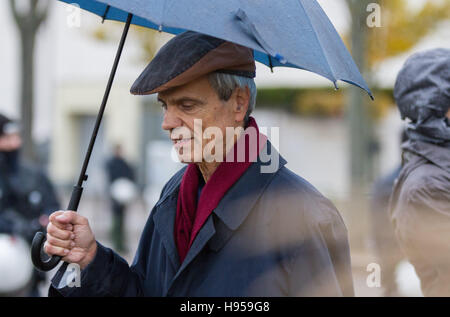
198	100
10	142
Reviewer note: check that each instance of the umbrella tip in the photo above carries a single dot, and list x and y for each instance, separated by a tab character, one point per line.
335	85
371	96
270	64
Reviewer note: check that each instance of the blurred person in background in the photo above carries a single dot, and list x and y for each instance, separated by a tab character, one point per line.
27	196
122	192
420	203
384	241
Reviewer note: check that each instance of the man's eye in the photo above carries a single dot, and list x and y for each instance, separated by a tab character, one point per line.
187	106
164	106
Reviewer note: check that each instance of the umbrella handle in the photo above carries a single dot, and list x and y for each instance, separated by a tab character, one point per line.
36	246
39	238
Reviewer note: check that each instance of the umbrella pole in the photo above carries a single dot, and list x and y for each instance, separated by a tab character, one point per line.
39	238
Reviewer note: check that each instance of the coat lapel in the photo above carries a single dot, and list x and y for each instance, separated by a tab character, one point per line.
232	210
204	235
164	218
235	206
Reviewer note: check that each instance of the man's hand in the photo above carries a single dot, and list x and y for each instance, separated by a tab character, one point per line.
70	236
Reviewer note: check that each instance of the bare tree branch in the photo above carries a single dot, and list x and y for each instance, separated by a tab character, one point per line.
19	18
42	13
33	6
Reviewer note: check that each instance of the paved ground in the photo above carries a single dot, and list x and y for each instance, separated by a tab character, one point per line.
98	213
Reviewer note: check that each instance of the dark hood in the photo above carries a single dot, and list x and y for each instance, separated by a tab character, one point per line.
422	93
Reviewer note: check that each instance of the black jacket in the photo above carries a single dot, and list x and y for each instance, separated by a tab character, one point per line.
25	195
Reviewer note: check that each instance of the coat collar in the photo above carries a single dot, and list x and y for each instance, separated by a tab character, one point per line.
244	193
438	155
232	210
234	207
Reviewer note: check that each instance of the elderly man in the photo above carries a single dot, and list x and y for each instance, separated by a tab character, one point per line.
420	203
230	223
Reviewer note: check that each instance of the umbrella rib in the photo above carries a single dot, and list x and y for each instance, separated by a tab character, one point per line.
320	43
270	63
106	12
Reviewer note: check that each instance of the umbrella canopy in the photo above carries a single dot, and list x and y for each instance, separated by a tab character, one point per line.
289	33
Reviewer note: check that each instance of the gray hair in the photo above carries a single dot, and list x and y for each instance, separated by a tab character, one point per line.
225	84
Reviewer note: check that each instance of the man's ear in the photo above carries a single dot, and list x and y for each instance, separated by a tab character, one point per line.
242	103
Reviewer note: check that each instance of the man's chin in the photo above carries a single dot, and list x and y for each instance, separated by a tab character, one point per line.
184	161
185	158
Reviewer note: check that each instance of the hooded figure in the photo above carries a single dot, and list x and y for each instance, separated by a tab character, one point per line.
235	221
27	196
25	191
420	203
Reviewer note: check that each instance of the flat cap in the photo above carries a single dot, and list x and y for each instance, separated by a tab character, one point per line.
189	56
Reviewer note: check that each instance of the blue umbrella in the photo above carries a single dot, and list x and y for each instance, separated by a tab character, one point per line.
288	33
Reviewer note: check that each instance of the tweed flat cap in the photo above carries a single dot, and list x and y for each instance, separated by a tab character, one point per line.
189	56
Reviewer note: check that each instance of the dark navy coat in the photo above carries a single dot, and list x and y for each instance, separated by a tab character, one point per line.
272	234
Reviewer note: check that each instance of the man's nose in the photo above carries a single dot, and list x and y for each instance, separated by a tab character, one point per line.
171	120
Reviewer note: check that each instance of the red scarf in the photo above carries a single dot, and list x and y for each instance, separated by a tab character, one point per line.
191	216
